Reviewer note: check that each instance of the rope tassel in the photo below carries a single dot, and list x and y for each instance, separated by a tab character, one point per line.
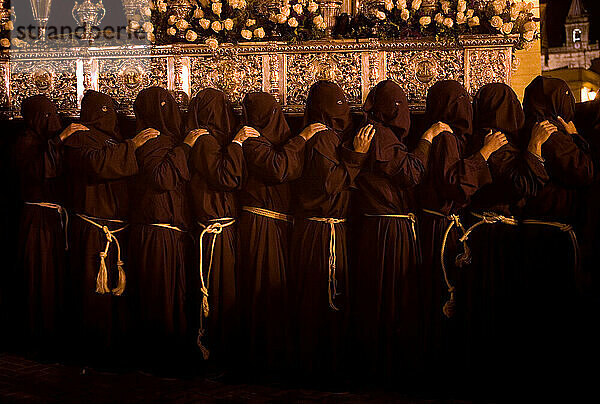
118	291
102	278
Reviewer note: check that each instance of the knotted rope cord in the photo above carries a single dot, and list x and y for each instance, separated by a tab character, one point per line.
167	226
488	218
268	213
565	228
332	282
215	228
61	212
461	260
102	278
408	216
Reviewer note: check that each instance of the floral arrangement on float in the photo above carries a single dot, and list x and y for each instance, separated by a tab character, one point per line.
233	21
392	19
6	23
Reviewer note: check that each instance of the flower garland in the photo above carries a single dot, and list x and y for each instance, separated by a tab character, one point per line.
232	21
392	19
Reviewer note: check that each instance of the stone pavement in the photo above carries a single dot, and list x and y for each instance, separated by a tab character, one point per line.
26	381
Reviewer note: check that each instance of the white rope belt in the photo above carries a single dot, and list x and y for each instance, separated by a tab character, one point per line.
332	288
102	278
63	214
268	213
409	216
167	226
215	228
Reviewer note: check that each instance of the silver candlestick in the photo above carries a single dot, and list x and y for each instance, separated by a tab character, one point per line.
41	13
88	15
133	12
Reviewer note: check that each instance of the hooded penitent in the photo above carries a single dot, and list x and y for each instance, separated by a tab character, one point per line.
449	102
211	110
263	113
496	107
327	104
156	108
98	111
40	116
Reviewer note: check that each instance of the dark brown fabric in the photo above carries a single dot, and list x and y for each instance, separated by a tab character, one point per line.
156	108
516	174
211	110
568	162
384	284
218	170
98	111
323	190
38	154
449	102
98	167
273	161
327	104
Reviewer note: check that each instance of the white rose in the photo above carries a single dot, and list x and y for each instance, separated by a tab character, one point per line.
496	22
318	20
212	43
416	4
528	7
280	18
507	28
445	7
470	13
9	26
529	35
216	26
286	11
448	23
162	7
474	22
5	43
498	6
204	23
172	19
425	21
147	11
191	36
228	24
293	22
259	32
182	25
312	6
461	18
298	8
198	13
246	34
148	27
171	31
242	4
439	18
401	4
530	26
405	14
389	5
461	7
150	36
216	8
250	22
380	15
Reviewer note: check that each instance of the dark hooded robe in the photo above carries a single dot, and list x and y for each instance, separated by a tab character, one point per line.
159	241
98	165
490	289
319	244
452	178
385	283
217	170
550	261
38	154
273	159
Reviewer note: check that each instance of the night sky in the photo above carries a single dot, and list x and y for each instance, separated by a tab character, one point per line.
557	11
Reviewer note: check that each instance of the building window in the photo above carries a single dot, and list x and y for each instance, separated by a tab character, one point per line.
576	35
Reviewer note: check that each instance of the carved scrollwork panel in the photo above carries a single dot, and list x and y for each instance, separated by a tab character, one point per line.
485	66
123	79
235	74
417	70
4	85
55	78
303	70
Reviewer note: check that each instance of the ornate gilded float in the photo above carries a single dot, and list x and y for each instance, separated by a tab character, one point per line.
284	70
